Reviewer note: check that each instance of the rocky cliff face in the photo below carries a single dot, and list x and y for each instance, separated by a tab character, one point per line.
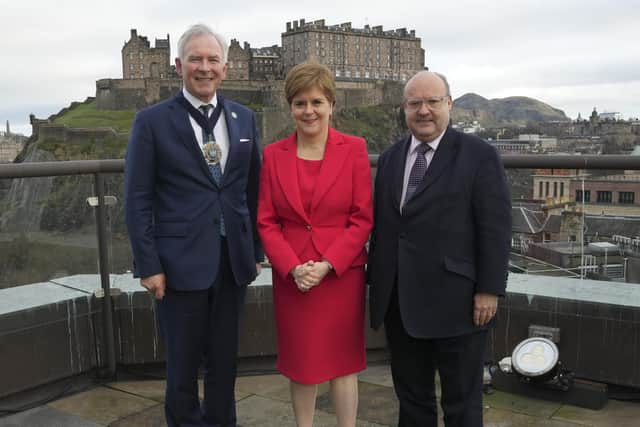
26	199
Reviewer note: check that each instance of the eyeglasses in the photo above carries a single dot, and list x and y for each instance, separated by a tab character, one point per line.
413	105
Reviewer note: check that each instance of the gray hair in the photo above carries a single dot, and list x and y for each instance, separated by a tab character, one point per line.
439	75
202	30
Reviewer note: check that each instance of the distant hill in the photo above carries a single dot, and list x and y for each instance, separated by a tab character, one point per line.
511	111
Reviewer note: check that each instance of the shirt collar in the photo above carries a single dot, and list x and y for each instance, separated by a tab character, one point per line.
196	102
433	144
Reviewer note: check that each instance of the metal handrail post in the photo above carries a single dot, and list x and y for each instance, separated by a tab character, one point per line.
103	260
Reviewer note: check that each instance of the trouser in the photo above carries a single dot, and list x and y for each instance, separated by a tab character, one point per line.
202	326
459	361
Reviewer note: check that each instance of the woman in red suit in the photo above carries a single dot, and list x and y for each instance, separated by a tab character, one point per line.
314	218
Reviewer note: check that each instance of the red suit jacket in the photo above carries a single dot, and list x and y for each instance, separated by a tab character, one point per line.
341	214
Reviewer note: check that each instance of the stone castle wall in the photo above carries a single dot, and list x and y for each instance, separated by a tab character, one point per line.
58	132
266	97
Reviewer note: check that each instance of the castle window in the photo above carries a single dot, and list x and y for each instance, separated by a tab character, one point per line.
141	55
142	66
131	66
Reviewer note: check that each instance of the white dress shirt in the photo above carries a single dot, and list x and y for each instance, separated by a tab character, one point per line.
411	159
220	132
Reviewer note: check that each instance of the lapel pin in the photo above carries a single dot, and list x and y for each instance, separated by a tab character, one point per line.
234	115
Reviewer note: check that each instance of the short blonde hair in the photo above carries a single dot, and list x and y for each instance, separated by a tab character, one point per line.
308	75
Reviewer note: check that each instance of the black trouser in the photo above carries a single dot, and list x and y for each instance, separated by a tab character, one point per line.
197	326
459	361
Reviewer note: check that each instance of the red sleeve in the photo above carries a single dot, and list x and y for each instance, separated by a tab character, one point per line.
347	246
280	254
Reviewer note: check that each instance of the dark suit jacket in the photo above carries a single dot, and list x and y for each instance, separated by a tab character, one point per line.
451	240
173	204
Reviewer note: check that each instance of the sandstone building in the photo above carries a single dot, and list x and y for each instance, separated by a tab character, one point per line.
353	53
238	60
10	144
266	63
141	61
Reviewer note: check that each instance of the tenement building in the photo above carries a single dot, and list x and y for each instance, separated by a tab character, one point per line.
353	53
141	61
10	145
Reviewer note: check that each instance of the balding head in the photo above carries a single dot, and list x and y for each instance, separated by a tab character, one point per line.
428	75
427	103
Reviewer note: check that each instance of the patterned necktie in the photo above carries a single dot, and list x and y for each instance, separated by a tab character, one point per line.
215	169
418	170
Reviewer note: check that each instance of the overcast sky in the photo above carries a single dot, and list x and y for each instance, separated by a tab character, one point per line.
573	55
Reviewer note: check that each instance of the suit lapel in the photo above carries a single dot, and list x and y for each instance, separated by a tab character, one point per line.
443	156
231	119
287	172
182	124
398	162
335	154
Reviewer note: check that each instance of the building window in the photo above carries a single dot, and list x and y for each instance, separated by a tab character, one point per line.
546	186
626	197
604	196
142	66
555	189
587	196
562	189
540	189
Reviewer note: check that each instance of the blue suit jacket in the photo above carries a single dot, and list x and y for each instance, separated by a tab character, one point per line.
173	204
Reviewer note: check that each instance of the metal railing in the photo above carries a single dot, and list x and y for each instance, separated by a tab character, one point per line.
98	168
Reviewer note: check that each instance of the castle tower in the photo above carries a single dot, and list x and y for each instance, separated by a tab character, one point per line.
141	61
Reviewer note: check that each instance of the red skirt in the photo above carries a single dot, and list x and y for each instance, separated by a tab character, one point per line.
320	332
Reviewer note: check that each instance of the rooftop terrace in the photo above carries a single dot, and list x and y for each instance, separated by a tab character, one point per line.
70	357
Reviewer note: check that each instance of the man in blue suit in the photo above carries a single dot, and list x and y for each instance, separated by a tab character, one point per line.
438	257
191	184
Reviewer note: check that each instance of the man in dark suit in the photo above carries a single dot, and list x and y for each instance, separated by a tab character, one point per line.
438	257
191	183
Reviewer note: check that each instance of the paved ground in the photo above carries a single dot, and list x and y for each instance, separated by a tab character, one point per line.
263	400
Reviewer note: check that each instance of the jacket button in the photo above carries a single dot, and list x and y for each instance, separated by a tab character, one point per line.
308	227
